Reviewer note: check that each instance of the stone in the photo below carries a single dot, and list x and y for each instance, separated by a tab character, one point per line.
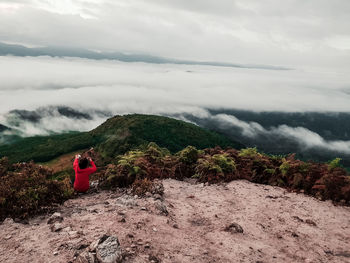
122	213
8	221
8	237
161	207
56	227
109	250
94	245
54	218
234	228
73	234
85	257
310	222
157	197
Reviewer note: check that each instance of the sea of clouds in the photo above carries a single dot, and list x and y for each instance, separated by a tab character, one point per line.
105	88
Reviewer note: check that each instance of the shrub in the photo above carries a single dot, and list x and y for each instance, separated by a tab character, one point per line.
141	186
249	152
215	168
27	191
4	166
189	155
284	167
334	163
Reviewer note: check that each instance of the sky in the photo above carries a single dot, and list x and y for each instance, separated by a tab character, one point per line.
293	33
311	38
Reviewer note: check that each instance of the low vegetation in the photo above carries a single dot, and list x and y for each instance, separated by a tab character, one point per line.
27	188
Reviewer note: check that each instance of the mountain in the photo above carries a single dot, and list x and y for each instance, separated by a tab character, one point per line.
22	51
3	128
116	136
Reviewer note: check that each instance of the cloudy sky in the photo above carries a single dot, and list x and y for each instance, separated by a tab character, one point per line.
309	37
293	33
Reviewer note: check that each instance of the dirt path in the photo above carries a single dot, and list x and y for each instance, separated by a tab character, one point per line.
278	227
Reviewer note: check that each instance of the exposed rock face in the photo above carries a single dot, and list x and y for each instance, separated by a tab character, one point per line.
277	228
109	250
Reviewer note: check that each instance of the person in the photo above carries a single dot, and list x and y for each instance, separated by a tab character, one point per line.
82	172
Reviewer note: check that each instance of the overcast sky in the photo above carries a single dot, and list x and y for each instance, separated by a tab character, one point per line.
293	33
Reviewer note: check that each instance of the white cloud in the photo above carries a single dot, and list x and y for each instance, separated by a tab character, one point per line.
28	83
304	137
294	33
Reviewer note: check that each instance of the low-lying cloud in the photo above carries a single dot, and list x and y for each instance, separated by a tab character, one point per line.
99	89
305	138
32	82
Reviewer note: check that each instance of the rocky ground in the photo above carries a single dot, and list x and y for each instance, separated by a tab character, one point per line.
234	222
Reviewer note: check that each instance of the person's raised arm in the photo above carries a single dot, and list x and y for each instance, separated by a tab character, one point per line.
93	168
76	162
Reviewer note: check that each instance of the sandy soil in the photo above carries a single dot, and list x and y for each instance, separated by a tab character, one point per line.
278	227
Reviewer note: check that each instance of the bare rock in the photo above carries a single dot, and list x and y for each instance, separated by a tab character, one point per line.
157	197
8	221
56	227
127	200
234	228
86	257
55	218
94	245
157	188
161	207
310	222
109	250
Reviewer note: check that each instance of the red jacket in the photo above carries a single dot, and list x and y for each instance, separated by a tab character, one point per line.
81	183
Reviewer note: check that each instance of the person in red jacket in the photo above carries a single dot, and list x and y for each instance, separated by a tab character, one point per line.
82	172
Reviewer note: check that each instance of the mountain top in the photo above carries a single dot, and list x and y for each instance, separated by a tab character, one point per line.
239	221
116	136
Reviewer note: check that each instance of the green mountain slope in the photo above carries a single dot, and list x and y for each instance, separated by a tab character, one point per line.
116	136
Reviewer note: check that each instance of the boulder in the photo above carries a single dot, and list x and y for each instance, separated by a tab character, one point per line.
109	250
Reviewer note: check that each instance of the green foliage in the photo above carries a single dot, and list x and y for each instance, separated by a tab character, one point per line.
270	171
227	164
249	152
284	167
189	155
45	148
117	136
304	167
122	133
212	168
334	163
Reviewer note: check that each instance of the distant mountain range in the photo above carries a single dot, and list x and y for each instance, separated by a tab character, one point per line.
22	51
311	135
